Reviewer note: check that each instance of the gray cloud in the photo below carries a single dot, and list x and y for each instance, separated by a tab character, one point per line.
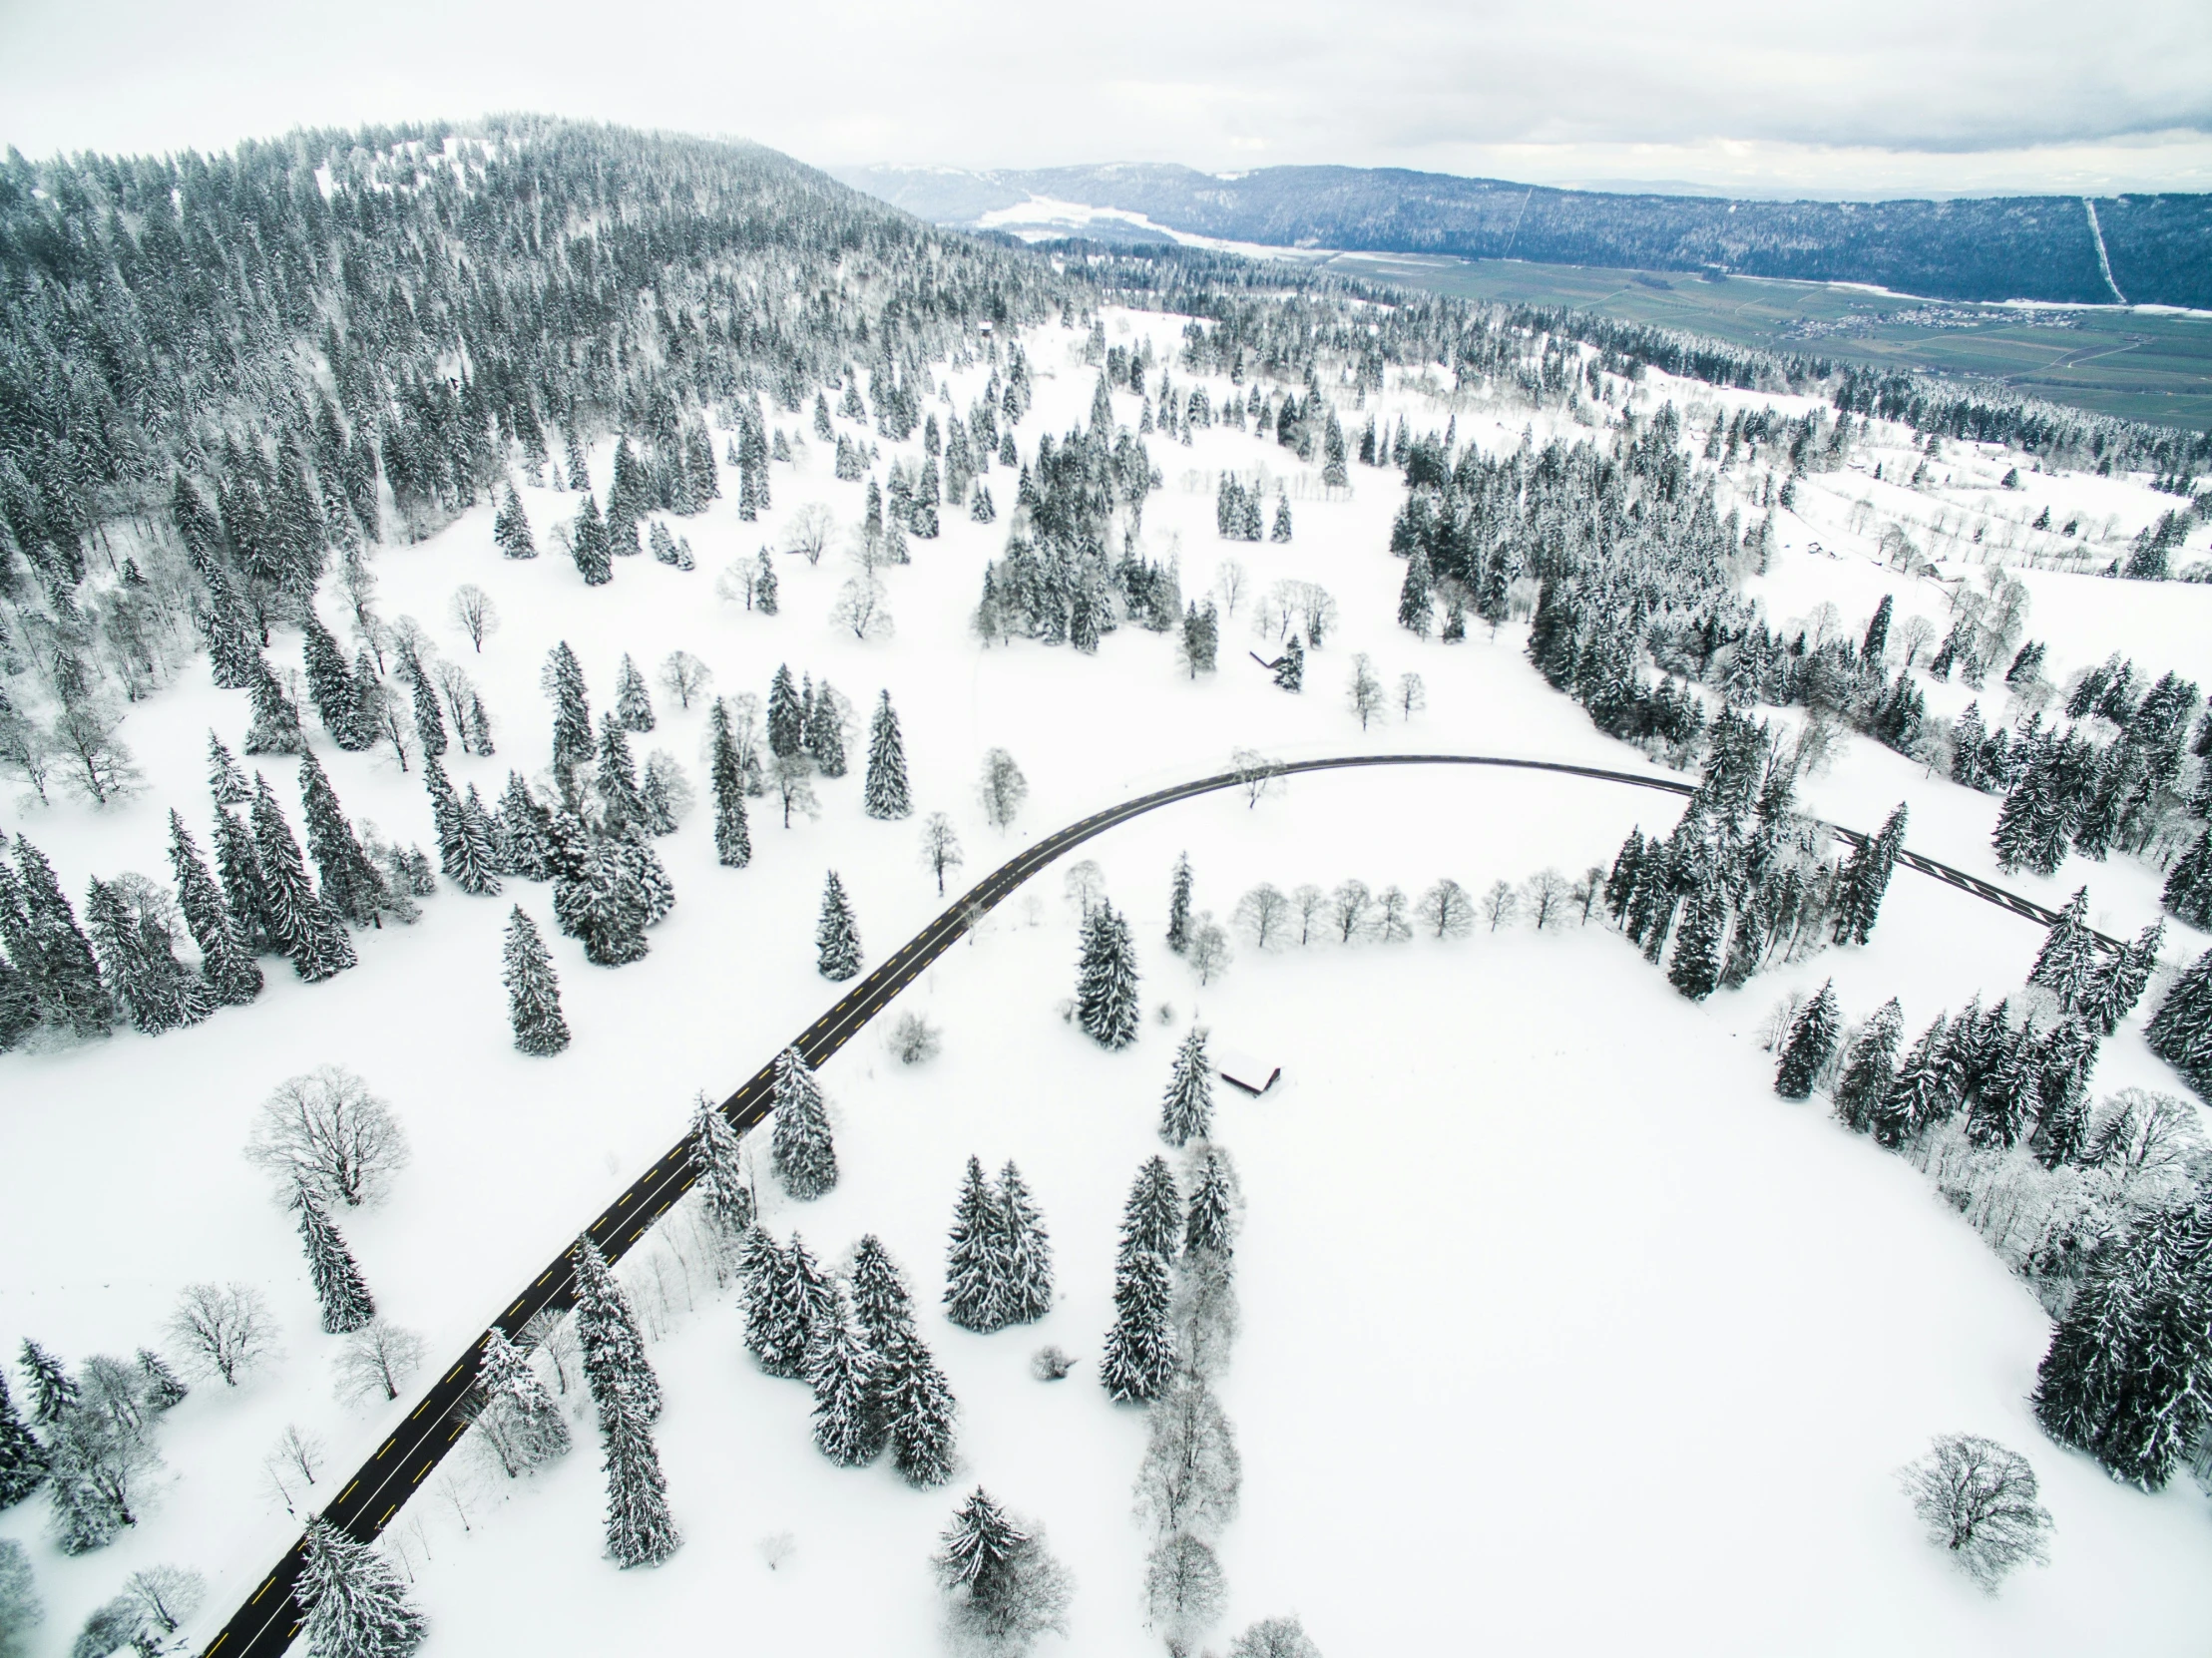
1885	89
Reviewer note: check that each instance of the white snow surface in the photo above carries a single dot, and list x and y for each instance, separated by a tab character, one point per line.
1562	1332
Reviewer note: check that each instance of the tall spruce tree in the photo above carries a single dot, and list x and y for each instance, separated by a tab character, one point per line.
2180	1032
843	1368
224	960
562	681
1187	1111
974	1282
632	702
518	1417
332	688
717	1157
301	925
1212	1222
826	736
1024	1251
22	1458
884	795
1153	1219
787	716
616	1368
356	1605
532	989
53	952
640	1529
1920	1094
1869	1065
2068	957
1811	1043
157	993
801	1149
836	934
352	884
53	1394
1178	906
225	782
1695	968
1139	1356
733	833
917	1410
340	1289
1866	878
1106	993
244	889
2188	890
774	1335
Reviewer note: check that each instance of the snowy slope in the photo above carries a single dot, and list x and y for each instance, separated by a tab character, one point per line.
1538	1273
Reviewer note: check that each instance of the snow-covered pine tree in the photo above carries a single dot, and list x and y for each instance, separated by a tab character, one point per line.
22	1458
275	724
1024	1250
1106	993
1139	1350
775	1329
633	702
836	934
590	546
51	950
1153	1219
1211	1225
1811	1043
1187	1111
615	781
532	989
158	1384
301	925
606	906
522	1422
656	795
2122	1378
352	884
1695	968
356	1603
156	992
1866	878
2188	891
1178	906
1918	1094
473	860
916	1406
511	528
826	736
975	1284
244	889
224	960
841	1366
571	712
224	780
786	715
2180	1032
2004	1096
801	1151
616	1368
2068	957
332	688
1868	1066
640	1529
732	834
718	1157
340	1289
1005	1591
524	828
52	1392
2117	980
884	795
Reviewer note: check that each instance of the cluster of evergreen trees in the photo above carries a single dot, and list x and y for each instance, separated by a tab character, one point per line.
1741	880
854	1340
87	1440
999	1262
1107	1005
2101	1209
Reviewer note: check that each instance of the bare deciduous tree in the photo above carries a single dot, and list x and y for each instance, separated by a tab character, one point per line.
1256	774
914	1039
940	848
1412	695
166	1598
1209	949
862	608
474	614
1546	895
1311	905
1085	885
225	1330
1447	910
808	532
326	1132
1274	1638
94	761
1392	916
1003	788
25	750
1264	915
683	676
1185	1591
1231	581
1349	907
1501	904
1364	692
1191	1474
1979	1501
378	1361
791	780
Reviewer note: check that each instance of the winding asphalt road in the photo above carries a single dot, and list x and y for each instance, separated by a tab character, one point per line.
264	1626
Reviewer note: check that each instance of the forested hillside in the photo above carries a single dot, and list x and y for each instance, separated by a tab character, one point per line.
1999	247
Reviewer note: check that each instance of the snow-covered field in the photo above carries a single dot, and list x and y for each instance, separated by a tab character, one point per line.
1562	1332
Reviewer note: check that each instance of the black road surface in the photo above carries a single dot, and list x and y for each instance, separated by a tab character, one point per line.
264	1626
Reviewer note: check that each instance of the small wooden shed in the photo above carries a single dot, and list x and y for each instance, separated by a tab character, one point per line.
1244	1071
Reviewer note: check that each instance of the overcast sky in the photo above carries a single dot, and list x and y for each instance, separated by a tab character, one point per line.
1877	97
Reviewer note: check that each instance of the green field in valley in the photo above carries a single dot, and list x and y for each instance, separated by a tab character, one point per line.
2137	365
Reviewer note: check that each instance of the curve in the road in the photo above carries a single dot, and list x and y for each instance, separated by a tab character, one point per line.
264	1626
